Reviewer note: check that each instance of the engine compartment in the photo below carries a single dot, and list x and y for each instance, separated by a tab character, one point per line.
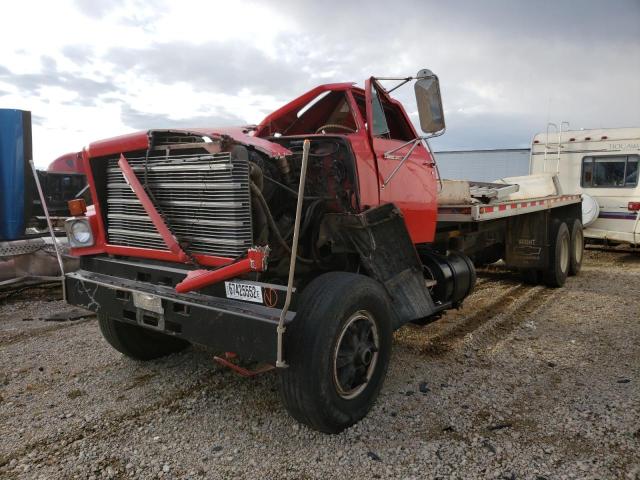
330	187
219	196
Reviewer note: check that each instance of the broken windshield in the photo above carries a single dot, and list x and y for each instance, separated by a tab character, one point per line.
329	111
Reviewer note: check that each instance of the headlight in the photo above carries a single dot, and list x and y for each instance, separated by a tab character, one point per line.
79	232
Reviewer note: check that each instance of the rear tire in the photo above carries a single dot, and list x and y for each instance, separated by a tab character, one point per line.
577	247
136	342
559	256
338	348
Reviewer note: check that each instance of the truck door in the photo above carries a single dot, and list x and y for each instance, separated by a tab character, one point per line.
413	186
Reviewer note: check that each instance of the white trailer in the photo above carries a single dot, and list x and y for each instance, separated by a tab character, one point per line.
602	165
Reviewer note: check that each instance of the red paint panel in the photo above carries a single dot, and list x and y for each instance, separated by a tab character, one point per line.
93	211
166	255
270	124
413	188
212	261
197	279
240	134
67	163
115	145
367	170
142	253
140	141
101	246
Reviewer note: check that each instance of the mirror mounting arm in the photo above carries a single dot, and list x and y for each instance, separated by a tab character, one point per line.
431	116
414	143
405	80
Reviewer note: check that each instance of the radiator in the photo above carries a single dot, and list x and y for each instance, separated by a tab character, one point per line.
204	199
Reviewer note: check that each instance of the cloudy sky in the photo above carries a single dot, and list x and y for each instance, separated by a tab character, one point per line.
90	69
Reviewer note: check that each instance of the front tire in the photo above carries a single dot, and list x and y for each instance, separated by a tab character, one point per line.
137	342
338	348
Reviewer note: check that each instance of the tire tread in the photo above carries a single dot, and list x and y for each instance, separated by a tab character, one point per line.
296	385
136	342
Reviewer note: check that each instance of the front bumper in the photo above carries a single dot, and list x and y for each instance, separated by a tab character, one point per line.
220	323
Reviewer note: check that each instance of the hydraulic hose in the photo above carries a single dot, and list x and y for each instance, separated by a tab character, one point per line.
272	223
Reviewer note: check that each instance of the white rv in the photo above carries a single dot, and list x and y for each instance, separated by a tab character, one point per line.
603	166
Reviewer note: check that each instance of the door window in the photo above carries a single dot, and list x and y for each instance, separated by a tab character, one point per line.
388	119
620	171
380	126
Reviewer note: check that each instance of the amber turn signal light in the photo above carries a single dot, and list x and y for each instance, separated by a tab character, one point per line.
77	207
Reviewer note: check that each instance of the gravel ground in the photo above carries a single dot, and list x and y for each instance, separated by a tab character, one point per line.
522	383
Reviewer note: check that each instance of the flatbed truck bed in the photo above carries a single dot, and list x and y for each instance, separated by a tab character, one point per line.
480	212
532	235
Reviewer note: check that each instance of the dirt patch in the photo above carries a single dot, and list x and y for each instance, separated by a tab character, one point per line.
522	382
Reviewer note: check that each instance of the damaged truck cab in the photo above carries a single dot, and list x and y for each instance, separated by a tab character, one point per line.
301	243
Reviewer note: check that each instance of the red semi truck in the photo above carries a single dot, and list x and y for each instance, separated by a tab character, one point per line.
301	243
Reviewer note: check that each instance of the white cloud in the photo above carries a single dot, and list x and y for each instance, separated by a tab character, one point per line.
90	69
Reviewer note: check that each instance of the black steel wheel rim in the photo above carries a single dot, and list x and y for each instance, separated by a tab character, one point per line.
356	354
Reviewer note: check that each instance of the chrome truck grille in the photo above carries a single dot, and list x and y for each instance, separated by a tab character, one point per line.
204	198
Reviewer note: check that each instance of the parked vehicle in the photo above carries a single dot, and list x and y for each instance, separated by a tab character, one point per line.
602	165
26	242
302	242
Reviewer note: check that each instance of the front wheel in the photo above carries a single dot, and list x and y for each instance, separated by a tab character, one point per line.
338	348
137	342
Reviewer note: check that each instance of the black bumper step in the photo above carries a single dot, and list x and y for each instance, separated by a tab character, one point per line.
226	325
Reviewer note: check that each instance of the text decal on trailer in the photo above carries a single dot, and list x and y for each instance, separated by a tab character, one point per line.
244	291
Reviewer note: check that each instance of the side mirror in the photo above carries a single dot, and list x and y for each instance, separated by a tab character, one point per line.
429	102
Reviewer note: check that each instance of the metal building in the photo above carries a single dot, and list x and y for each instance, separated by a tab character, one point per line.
483	165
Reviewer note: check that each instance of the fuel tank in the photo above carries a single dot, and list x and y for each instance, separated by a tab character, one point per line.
454	274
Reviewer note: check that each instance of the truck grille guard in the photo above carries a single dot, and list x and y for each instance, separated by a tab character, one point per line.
203	199
167	236
256	259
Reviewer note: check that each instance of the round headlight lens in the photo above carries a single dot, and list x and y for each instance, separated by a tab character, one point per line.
81	232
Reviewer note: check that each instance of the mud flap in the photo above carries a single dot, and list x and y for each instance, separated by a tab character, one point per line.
527	242
380	237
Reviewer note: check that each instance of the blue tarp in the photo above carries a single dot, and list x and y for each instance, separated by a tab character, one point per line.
15	143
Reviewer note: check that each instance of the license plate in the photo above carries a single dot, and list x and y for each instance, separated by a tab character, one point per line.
149	302
244	291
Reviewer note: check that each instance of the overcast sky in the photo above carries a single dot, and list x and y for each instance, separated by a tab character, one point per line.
90	69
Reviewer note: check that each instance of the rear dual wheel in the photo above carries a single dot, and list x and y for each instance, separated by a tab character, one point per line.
577	247
559	256
338	349
566	251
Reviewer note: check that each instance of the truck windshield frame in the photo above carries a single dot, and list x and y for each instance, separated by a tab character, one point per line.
380	126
